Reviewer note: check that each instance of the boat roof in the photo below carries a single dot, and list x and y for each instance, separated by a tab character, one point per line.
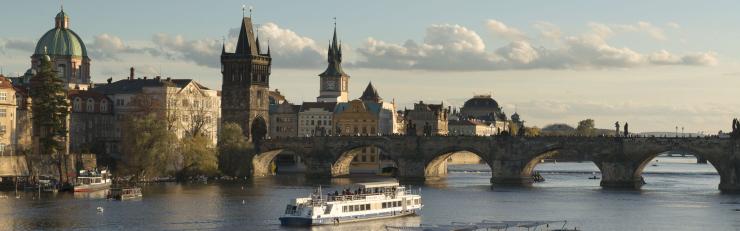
378	184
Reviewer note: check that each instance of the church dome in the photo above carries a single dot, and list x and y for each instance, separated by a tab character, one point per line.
481	101
61	40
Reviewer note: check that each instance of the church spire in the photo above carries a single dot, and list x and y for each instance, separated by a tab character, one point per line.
334	57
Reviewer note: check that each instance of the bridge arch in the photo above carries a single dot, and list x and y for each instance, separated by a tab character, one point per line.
436	165
364	153
646	160
261	162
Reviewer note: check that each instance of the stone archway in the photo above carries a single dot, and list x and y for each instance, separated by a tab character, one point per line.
436	166
342	163
258	130
646	161
262	162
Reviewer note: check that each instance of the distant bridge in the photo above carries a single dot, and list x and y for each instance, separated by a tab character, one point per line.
512	159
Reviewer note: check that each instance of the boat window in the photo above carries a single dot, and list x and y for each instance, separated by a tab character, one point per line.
357	208
344	208
351	208
416	201
362	207
367	206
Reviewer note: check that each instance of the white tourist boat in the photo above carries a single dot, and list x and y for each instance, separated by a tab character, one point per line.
89	181
368	201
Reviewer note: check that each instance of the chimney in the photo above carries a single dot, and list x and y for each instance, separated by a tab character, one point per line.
131	74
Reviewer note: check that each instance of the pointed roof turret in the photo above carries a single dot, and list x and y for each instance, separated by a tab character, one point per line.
257	41
371	94
246	44
334	57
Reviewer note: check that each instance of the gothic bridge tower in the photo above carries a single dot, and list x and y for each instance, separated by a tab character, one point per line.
245	84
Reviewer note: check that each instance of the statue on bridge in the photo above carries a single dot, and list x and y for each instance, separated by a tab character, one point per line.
616	125
626	129
735	128
410	129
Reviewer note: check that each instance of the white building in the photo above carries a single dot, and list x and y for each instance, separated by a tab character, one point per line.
185	105
315	118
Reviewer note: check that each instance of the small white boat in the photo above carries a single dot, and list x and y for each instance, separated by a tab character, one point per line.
90	181
125	193
368	202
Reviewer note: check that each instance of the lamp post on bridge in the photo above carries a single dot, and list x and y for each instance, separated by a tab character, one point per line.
676	134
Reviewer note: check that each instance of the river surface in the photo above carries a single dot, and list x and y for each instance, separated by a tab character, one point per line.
679	195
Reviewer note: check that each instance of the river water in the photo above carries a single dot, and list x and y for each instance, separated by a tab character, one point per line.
679	195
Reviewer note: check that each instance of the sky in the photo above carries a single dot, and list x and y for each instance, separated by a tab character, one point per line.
656	65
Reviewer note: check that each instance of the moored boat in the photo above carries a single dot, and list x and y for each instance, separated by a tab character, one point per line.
125	193
89	181
368	201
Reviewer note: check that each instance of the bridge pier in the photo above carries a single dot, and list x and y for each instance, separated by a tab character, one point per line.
510	173
619	175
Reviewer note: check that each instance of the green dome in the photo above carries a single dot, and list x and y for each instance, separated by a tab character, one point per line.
61	41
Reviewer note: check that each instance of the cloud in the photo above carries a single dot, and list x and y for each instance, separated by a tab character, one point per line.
445	47
289	49
673	25
17	44
455	47
204	52
501	29
110	47
548	30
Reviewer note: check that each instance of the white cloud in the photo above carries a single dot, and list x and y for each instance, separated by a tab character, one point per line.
501	29
548	30
290	49
454	47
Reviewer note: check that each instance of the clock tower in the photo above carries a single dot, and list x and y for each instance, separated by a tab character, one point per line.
334	82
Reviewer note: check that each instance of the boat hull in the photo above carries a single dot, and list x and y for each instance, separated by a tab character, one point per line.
92	187
306	221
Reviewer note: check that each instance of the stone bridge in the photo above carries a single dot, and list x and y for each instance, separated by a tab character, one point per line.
512	159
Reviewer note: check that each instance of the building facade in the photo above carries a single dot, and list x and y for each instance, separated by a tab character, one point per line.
284	120
360	118
8	113
427	119
245	84
315	119
92	123
186	106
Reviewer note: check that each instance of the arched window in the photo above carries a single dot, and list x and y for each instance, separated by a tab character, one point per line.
77	104
104	106
90	105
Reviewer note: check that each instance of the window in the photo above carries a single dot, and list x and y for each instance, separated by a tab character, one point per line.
3	112
3	96
372	158
364	158
77	104
90	105
104	106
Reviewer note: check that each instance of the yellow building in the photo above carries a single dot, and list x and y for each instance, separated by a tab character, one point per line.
358	118
7	116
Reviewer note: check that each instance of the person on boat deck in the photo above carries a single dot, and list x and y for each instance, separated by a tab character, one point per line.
336	193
